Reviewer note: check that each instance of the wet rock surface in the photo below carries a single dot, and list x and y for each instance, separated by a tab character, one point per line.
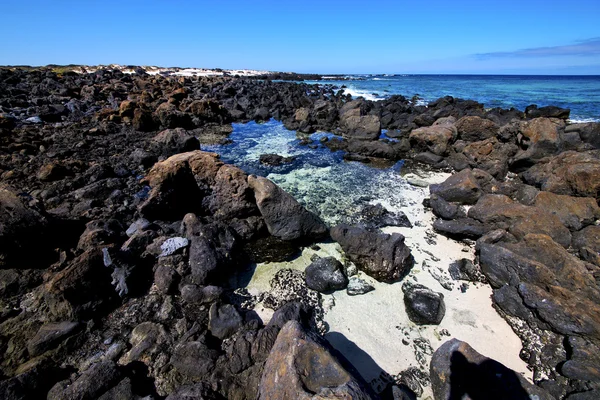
118	235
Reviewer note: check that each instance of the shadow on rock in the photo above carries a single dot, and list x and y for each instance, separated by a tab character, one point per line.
486	381
357	361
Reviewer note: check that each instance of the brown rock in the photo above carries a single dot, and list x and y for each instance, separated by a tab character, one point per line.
435	139
501	212
573	212
81	290
286	219
300	367
127	108
232	197
472	128
461	187
587	242
544	278
490	155
570	173
459	372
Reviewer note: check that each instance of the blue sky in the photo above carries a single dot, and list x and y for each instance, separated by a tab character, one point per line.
376	36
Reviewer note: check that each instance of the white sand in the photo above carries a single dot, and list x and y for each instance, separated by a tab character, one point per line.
369	329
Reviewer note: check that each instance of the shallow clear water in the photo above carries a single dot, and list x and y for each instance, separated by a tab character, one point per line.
320	179
581	94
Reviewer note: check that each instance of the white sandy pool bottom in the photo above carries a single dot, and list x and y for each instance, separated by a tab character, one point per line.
373	330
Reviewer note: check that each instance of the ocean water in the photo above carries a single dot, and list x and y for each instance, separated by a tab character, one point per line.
581	94
320	179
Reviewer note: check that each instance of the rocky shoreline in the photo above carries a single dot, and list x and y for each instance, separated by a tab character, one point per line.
119	238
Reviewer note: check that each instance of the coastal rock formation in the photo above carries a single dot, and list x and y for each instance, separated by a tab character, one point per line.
326	275
121	242
382	256
286	219
301	367
458	371
423	305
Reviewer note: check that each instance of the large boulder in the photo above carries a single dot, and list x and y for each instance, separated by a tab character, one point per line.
173	141
436	138
286	219
231	195
174	190
300	366
490	155
382	256
82	290
461	187
326	275
500	212
587	242
21	228
570	173
573	212
473	128
539	281
423	305
356	124
539	137
459	372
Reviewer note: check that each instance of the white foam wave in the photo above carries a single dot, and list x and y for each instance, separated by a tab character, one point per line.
583	120
362	93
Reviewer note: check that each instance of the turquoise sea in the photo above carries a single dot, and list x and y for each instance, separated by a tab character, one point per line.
581	94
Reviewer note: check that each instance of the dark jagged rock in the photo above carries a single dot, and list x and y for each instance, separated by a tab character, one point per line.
50	335
300	366
92	383
326	275
224	320
286	219
382	256
458	371
461	187
423	305
376	216
473	128
21	227
274	160
587	242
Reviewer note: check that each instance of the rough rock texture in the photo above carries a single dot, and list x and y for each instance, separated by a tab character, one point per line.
301	367
382	256
326	275
423	305
569	173
459	372
501	212
461	187
286	219
473	128
435	139
574	212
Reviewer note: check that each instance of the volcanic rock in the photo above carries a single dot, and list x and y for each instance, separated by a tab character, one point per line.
326	275
301	367
458	371
382	256
286	219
